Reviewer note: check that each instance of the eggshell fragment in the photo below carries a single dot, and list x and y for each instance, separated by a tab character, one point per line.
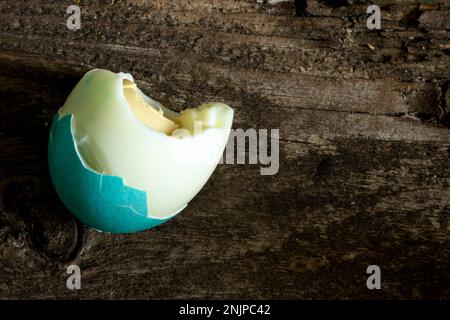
119	167
98	200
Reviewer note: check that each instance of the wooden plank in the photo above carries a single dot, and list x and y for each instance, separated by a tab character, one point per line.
364	174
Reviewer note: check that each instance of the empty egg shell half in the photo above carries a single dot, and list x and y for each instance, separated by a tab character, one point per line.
121	162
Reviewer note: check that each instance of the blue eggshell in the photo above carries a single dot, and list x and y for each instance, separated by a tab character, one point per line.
100	201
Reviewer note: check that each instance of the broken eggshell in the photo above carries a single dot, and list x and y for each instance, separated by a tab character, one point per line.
111	158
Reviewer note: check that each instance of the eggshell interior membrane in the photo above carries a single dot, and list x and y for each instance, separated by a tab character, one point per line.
168	155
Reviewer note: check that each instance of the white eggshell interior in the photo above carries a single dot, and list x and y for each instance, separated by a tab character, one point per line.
111	140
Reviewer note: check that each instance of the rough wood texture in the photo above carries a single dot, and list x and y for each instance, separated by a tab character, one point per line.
365	145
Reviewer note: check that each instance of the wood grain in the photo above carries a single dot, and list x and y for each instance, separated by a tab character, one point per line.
364	149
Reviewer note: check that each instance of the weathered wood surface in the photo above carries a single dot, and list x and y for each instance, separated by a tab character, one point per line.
365	148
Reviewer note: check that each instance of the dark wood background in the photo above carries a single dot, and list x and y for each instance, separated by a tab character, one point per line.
364	148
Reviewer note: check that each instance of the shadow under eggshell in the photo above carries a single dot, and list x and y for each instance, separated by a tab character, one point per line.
100	201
